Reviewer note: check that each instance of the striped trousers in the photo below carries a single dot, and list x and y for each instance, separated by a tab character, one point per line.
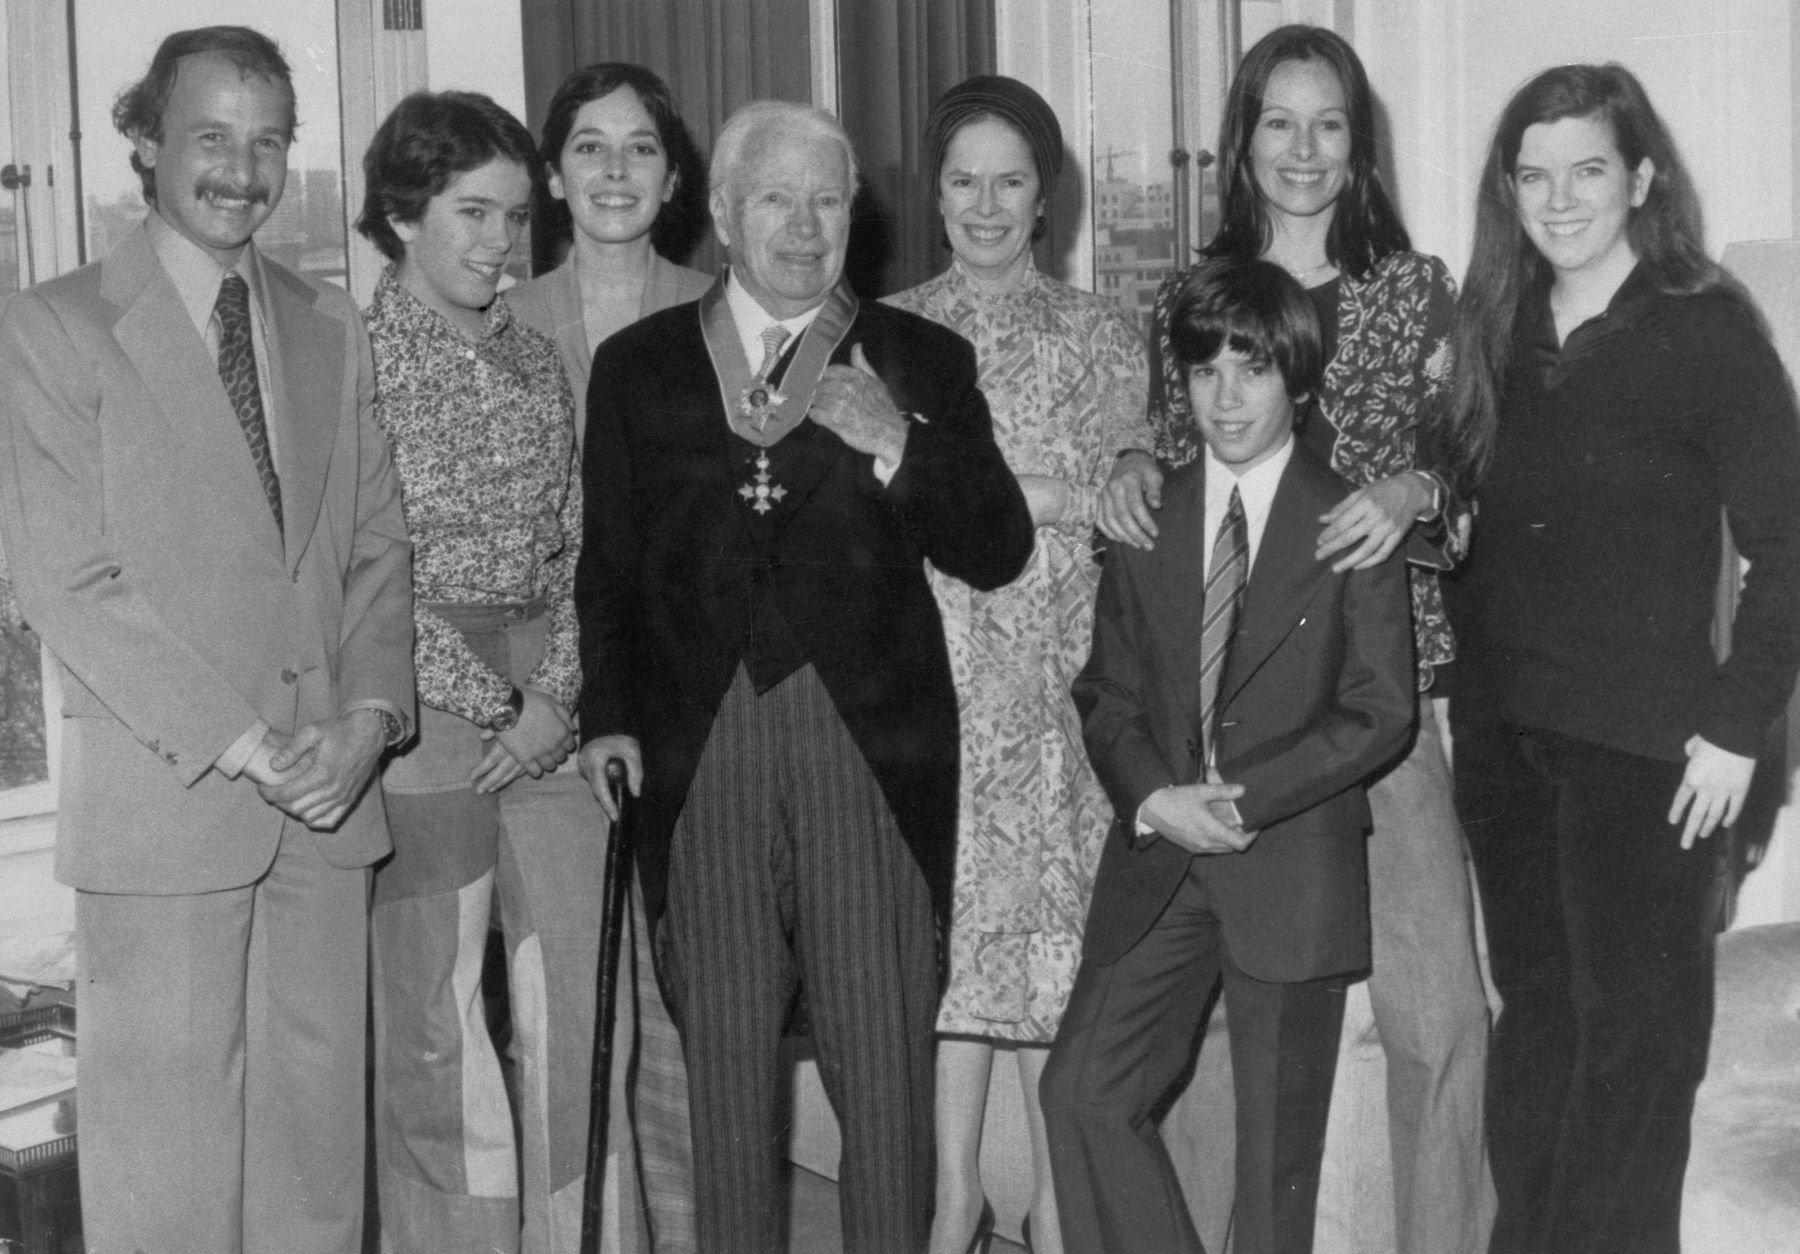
788	871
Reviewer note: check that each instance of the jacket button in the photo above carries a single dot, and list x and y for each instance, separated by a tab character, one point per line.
289	677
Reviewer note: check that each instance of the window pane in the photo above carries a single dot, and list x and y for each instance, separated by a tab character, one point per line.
23	759
1134	224
116	38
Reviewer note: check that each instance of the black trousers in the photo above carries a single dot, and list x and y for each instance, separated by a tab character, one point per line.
787	867
1126	1038
1600	933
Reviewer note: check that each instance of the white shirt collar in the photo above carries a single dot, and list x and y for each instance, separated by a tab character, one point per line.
752	319
195	272
1256	488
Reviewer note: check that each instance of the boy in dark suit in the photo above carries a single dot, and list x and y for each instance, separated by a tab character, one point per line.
1237	695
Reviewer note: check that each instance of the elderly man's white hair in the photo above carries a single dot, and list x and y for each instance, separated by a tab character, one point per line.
762	117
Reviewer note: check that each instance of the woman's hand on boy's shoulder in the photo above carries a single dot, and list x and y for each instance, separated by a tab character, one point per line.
1371	522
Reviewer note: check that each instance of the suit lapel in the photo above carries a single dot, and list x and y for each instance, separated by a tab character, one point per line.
159	338
1284	578
1175	590
306	376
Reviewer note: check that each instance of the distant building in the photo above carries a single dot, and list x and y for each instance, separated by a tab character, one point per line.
1134	238
1134	243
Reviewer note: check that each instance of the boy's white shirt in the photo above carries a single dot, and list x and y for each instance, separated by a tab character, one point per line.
1256	488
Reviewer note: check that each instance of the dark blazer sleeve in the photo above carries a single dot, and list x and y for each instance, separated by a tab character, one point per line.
1752	436
606	574
955	496
1362	728
1110	694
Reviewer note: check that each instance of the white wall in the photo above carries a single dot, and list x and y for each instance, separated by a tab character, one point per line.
476	45
1721	72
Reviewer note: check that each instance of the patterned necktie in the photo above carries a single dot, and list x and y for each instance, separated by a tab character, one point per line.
1224	595
237	371
773	337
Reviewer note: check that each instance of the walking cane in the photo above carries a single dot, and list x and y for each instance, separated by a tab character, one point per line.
614	880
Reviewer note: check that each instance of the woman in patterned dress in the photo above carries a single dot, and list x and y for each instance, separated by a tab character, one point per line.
1065	376
1300	187
623	170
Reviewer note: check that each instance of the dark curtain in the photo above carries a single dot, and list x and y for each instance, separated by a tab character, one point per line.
714	54
894	58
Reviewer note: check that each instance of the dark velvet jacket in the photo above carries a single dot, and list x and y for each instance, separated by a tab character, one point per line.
1588	601
672	565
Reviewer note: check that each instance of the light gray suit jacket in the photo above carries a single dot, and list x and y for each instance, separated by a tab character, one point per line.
144	553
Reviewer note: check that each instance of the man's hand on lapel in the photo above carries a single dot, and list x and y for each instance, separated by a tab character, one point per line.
853	402
325	768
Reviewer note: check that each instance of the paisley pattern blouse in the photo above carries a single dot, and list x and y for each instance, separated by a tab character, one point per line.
484	440
1389	379
1065	377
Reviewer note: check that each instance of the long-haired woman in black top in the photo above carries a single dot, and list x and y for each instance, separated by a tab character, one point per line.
1615	393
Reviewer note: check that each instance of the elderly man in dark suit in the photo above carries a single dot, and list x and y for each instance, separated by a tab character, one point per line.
767	471
204	526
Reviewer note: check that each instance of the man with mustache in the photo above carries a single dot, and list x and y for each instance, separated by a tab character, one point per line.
766	472
204	528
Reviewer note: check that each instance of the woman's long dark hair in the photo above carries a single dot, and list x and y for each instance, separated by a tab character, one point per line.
1364	228
682	221
1665	233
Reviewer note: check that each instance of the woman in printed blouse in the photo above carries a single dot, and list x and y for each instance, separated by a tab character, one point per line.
1064	374
623	171
484	804
1618	391
1300	187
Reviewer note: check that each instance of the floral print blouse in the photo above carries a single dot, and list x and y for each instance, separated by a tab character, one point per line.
484	440
1389	379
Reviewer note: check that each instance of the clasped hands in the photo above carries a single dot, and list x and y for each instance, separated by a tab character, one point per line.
854	403
1199	816
317	774
537	744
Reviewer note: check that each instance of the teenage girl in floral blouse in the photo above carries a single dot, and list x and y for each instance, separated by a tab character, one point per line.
482	424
